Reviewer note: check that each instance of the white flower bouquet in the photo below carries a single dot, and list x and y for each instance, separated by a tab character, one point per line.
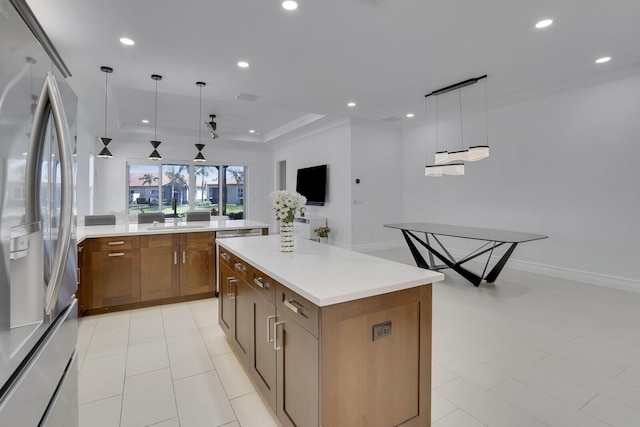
285	204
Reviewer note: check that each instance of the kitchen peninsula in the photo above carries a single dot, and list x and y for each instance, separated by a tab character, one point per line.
330	336
127	266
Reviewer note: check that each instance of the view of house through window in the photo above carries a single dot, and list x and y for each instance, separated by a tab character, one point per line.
175	185
153	187
207	188
233	192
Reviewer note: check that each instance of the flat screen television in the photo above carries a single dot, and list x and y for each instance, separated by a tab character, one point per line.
312	184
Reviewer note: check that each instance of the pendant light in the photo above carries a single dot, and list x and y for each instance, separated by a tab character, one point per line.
105	153
155	143
441	164
199	157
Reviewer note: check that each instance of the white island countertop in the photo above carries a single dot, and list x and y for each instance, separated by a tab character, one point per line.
132	229
325	274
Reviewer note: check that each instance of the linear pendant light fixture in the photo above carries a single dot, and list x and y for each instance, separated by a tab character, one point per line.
199	157
155	143
105	153
441	164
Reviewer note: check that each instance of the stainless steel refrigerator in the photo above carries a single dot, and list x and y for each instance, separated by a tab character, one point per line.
38	277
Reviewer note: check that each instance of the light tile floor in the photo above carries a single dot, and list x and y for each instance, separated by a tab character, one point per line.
530	350
165	366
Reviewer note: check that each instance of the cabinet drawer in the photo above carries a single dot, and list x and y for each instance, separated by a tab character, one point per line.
225	257
198	238
242	269
264	285
115	243
300	309
159	240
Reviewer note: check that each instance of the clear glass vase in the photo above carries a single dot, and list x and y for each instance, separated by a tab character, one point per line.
286	236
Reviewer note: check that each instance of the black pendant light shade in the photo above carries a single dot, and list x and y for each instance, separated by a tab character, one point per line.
154	154
199	157
105	153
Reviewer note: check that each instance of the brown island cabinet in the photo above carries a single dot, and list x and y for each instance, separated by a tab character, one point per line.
128	271
326	346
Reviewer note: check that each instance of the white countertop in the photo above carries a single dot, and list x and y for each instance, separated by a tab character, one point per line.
84	232
325	274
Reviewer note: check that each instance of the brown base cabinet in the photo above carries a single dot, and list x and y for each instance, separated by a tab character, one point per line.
160	271
134	271
81	294
197	253
115	271
321	365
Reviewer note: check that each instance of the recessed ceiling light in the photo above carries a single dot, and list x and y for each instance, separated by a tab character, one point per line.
145	121
410	115
243	64
127	41
544	23
252	131
351	104
290	5
603	60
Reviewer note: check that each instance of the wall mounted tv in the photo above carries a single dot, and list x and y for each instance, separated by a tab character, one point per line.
312	184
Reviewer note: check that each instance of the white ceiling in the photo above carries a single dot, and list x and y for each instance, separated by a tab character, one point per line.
306	65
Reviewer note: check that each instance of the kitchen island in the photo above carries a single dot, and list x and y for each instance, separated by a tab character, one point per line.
330	336
127	266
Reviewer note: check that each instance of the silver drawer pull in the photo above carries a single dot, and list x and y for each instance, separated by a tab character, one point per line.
258	281
119	242
276	347
231	281
240	267
117	254
175	257
269	339
290	306
225	256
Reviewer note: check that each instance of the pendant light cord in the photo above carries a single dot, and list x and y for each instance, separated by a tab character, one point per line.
461	127
486	115
437	120
155	119
200	118
426	129
105	103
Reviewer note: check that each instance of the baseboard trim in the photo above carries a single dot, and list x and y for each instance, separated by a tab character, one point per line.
591	278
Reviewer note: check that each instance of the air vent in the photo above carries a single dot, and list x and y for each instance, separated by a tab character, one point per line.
373	2
392	119
246	97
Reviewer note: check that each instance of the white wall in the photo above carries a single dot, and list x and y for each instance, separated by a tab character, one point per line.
332	147
376	160
564	165
83	149
111	174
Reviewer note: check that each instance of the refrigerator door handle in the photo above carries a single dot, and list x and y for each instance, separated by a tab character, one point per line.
50	101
